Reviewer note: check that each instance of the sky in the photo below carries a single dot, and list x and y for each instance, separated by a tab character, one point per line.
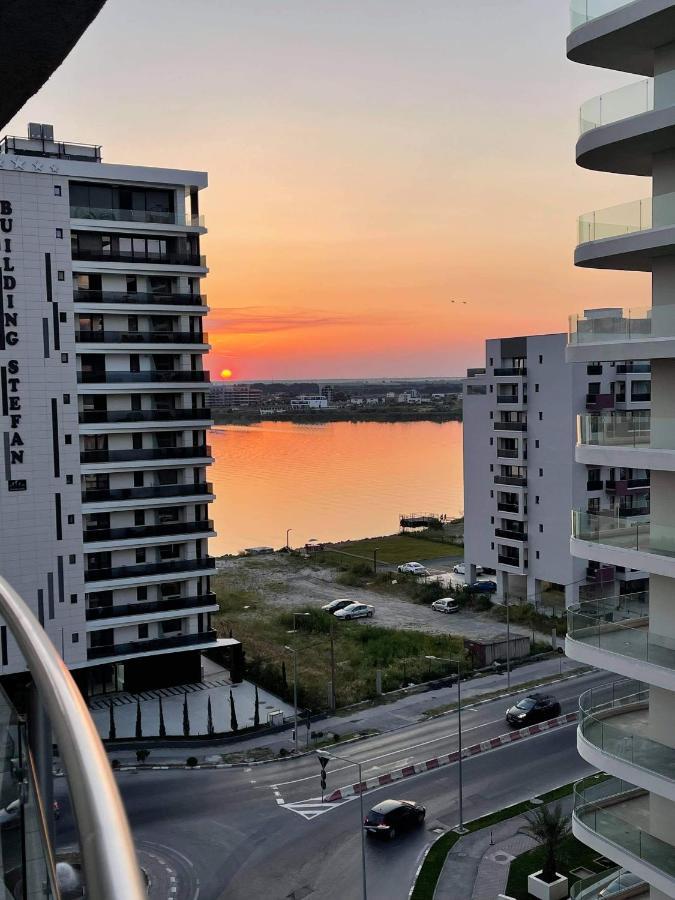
391	182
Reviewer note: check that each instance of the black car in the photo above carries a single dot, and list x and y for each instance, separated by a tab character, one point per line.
391	817
532	709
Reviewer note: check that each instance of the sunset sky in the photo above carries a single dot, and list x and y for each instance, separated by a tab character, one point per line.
370	161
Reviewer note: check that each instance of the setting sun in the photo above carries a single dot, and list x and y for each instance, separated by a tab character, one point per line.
226	373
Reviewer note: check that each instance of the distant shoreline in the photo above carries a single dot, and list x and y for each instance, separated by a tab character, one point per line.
250	417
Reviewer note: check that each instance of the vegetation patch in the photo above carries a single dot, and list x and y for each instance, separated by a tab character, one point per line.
396	548
571	855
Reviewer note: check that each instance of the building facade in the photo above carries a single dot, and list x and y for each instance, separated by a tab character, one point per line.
628	728
520	476
104	500
223	395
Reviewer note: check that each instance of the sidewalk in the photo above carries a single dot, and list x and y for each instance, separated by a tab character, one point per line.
475	869
384	717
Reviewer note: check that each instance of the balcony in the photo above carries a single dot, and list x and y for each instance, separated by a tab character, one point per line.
116	416
147	216
613	818
89	457
597	402
510	373
153	645
508	453
510	535
614	727
508	507
594	484
631	439
151	492
600	574
140	532
151	376
511	480
630	541
510	398
584	11
614	633
626	486
623	883
633	368
139	337
510	426
508	560
95	614
162	259
203	564
139	298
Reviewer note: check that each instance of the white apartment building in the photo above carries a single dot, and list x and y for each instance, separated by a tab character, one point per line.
223	395
310	401
104	500
520	476
628	728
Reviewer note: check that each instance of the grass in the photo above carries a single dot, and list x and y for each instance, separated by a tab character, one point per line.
572	855
395	548
431	868
359	651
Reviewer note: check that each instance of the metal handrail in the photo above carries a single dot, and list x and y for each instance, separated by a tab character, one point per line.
108	856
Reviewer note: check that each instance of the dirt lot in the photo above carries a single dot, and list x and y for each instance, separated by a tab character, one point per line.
288	583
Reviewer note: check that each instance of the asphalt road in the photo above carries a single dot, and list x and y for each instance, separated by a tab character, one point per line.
216	834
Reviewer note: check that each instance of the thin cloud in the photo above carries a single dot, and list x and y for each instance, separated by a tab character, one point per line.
263	320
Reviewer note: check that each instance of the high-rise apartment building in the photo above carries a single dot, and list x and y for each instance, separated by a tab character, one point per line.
104	500
628	729
520	476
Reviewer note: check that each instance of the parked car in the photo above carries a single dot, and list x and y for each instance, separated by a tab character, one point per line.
391	817
532	709
334	605
460	569
413	568
483	587
10	815
445	605
355	611
621	883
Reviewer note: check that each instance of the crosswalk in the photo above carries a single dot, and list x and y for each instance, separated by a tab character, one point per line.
121	699
310	809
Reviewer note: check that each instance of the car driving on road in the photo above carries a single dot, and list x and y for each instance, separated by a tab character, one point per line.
413	568
355	611
334	605
391	817
445	605
532	709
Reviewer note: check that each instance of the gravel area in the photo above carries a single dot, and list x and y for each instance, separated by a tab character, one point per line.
286	583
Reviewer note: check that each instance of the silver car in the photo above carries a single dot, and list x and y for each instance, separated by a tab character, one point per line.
355	611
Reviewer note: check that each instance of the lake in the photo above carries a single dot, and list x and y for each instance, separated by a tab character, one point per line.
331	482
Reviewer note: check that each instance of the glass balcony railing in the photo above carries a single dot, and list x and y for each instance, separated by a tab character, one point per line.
148	453
621	625
170	566
148	607
140	337
153	645
104	864
583	11
612	810
614	718
154	217
630	100
140	532
145	376
624	532
147	492
139	297
627	218
605	326
116	416
634	428
624	885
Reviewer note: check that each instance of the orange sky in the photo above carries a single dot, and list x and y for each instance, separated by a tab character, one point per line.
370	161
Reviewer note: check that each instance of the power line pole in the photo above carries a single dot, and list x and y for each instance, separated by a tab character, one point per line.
333	699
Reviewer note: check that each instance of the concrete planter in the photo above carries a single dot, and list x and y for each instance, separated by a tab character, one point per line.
556	890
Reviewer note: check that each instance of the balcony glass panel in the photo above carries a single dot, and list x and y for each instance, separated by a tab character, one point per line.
142	377
139	297
629	100
160	568
149	453
135	215
622	881
154	644
583	11
615	718
151	492
140	337
615	810
627	218
624	532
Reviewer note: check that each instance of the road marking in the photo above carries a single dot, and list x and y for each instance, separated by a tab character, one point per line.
310	809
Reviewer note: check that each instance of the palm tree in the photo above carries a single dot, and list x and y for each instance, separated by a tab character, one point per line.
234	725
162	725
112	731
139	721
186	717
256	711
549	827
209	723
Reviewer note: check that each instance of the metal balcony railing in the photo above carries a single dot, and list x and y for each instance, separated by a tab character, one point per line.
150	606
168	567
152	645
107	852
139	532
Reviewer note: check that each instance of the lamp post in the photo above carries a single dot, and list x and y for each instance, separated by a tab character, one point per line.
508	643
355	762
288	531
295	693
461	829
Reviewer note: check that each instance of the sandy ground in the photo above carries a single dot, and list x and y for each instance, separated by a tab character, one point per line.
286	583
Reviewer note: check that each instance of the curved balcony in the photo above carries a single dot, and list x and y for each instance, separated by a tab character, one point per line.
167	454
143	533
153	646
141	337
151	376
613	735
138	298
612	817
620	34
109	861
145	216
152	492
625	886
614	633
615	106
613	334
144	608
631	439
117	416
146	570
630	541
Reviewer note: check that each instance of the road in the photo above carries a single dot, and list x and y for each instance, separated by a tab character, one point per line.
216	834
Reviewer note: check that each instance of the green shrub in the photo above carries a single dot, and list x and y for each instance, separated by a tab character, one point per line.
192	761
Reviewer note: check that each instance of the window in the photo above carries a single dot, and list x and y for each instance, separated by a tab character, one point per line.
142	593
536	500
57	190
491	388
76	638
59	233
64	357
541	528
73	598
61	275
536	388
142	632
171	626
140	555
491	441
69	479
492	493
492	520
68	439
103	638
541	473
139	517
491	361
63	317
72	559
492	468
536	553
71	519
541	359
541	417
66	399
492	545
492	415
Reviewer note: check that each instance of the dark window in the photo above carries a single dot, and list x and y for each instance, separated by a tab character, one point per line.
71	519
142	632
59	232
541	417
66	399
536	444
76	638
63	317
541	528
64	357
57	190
140	555
541	359
61	275
142	593
73	598
541	473
68	439
72	559
536	553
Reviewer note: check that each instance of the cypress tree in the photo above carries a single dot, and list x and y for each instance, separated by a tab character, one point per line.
112	731
284	680
234	725
162	726
256	711
186	718
209	719
139	723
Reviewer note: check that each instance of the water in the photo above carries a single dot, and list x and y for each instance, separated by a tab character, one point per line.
331	482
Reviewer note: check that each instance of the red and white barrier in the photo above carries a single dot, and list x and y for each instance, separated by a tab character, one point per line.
429	764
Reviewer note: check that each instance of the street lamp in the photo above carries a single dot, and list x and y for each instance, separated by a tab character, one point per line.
508	643
354	762
288	531
461	829
295	692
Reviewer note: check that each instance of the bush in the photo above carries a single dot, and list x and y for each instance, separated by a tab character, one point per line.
142	755
115	764
192	761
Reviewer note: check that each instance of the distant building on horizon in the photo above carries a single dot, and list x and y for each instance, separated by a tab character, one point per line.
309	401
226	395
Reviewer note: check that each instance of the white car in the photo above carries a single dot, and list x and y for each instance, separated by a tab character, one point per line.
413	568
355	611
460	569
10	815
445	605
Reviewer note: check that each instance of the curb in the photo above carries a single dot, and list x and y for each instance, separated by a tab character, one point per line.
473	750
